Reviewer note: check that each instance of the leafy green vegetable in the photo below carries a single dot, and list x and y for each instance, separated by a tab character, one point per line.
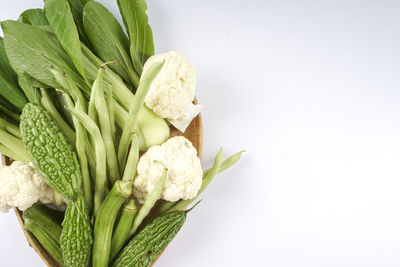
30	87
77	13
109	40
35	51
134	15
33	17
8	81
58	13
51	153
76	236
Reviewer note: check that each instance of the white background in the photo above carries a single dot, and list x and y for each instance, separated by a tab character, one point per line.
311	90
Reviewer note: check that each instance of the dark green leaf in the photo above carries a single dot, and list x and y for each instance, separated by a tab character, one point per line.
33	17
141	37
109	40
59	15
8	81
30	86
35	51
77	13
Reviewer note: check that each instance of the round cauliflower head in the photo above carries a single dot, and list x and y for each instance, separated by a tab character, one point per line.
21	186
184	177
172	92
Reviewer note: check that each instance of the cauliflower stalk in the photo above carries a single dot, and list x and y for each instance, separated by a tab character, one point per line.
172	93
184	177
21	186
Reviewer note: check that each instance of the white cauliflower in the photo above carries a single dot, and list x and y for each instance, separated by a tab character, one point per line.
184	177
172	92
21	186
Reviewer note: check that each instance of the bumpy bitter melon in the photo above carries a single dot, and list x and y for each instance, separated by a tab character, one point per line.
150	242
76	236
50	152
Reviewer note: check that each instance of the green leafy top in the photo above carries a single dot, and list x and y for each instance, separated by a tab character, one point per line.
58	13
141	36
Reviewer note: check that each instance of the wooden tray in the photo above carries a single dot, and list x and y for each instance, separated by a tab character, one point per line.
194	133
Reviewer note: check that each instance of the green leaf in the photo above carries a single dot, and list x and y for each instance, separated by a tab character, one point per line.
134	15
77	13
33	17
109	40
8	81
35	51
30	87
58	13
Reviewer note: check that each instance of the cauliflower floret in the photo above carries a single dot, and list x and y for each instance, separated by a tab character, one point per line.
21	186
172	92
184	177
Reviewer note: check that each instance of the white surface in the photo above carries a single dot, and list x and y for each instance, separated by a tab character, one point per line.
311	90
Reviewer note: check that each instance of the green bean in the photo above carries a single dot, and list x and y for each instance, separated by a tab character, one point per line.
149	203
136	106
48	104
183	204
133	158
105	220
71	90
225	165
123	227
82	156
105	126
100	151
110	107
228	162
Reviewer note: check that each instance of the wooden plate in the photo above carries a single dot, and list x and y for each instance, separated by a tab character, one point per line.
194	133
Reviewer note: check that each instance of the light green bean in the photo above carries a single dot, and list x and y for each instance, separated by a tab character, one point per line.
136	106
149	203
105	126
48	104
183	204
100	151
133	158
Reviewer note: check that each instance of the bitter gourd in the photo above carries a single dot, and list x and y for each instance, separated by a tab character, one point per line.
50	152
150	242
76	236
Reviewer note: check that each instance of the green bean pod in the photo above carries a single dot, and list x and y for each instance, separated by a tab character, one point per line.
149	203
105	220
165	207
183	204
105	126
123	227
100	150
48	104
133	158
136	106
